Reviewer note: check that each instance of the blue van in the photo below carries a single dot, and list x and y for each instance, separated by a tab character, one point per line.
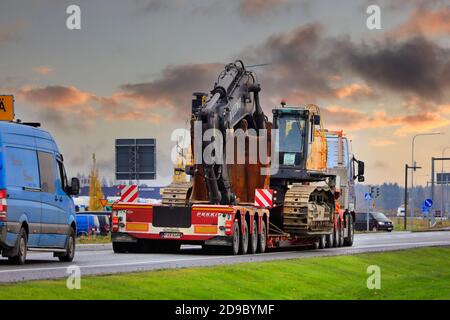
87	224
36	208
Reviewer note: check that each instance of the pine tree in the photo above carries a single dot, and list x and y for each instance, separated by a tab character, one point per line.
95	188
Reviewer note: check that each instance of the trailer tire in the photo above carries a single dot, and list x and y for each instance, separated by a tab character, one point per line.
262	239
336	237
330	239
351	231
253	245
322	242
235	243
244	238
341	234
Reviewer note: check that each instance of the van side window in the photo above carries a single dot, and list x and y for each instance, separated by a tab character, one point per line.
21	168
47	172
62	176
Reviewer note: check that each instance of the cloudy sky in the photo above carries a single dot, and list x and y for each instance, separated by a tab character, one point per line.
130	71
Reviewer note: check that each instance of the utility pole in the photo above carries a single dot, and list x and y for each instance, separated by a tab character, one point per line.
413	165
407	167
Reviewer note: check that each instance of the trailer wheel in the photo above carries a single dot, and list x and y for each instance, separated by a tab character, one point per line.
262	241
341	234
236	239
322	242
254	238
244	238
330	239
336	237
351	231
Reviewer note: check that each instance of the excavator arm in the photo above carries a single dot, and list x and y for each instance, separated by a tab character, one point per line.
235	97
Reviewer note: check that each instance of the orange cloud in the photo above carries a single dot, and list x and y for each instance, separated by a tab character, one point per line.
258	7
422	21
43	70
354	90
55	96
381	142
339	117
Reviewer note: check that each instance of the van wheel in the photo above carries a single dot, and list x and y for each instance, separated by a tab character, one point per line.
21	256
70	249
254	238
262	241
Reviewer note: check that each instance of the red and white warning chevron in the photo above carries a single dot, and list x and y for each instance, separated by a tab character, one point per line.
264	198
129	193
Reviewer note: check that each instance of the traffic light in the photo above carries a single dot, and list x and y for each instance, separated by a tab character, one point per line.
378	192
372	190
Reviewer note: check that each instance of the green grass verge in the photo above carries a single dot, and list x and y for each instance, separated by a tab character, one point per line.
410	274
418	224
94	239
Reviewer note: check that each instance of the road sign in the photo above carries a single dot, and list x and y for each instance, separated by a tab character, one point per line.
443	178
6	108
428	203
135	159
368	196
104	202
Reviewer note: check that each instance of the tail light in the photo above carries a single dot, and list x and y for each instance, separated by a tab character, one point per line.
228	226
115	223
3	206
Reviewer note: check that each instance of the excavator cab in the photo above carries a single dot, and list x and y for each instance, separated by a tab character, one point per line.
301	142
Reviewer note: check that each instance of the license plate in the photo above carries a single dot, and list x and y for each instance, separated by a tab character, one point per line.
170	235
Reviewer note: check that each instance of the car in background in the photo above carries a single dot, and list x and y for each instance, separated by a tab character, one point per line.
104	219
401	211
377	222
87	224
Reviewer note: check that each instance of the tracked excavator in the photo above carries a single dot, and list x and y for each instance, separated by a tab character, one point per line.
291	195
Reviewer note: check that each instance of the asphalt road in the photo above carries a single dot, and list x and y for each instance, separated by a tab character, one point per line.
100	259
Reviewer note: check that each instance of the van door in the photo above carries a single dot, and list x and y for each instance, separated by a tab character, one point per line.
51	209
23	189
65	202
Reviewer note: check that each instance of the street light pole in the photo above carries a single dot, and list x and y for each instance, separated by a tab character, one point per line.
412	171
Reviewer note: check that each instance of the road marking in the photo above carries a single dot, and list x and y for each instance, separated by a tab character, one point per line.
295	253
